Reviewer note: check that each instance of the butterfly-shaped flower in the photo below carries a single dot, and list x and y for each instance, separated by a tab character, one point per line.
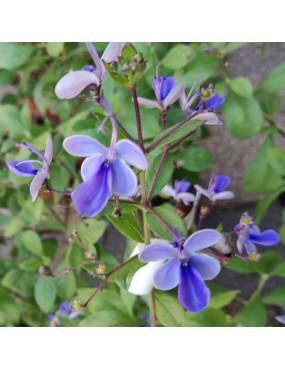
216	188
26	168
179	192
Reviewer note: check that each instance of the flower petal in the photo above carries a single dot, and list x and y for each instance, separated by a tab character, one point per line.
147	103
214	102
219	183
74	82
250	247
113	51
131	153
181	186
267	238
37	183
240	245
186	198
223	195
280	319
168	191
209	118
156	252
203	191
166	85
49	150
167	277
201	239
173	95
193	293
83	146
183	101
142	282
22	168
208	267
91	196
90	166
124	180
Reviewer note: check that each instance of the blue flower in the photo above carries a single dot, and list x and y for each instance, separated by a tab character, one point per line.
104	171
249	234
73	83
179	192
216	188
27	169
166	92
63	310
185	268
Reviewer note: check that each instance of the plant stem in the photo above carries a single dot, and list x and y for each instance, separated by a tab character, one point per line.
55	214
163	119
262	281
144	203
152	309
56	191
159	167
138	117
272	123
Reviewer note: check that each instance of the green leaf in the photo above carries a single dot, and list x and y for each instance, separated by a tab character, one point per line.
9	308
169	311
195	159
242	266
253	314
30	265
13	55
243	116
279	270
165	173
275	81
282	233
10	122
45	293
65	286
178	57
168	214
32	242
91	231
129	300
267	261
264	204
241	86
259	175
222	299
210	317
128	225
276	297
276	159
6	77
54	48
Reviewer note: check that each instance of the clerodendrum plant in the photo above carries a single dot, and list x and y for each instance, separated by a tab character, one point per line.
117	174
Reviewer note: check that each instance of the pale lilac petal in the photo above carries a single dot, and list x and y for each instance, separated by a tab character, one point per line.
183	101
280	319
91	197
22	168
240	245
223	195
124	180
131	153
142	282
83	146
186	198
193	293
181	186
168	191
49	150
167	277
90	166
203	191
74	82
208	267
156	252
113	51
201	239
95	57
37	183
250	247
147	103
267	238
209	118
173	95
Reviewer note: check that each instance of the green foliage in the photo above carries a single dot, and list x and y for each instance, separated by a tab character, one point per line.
275	81
164	176
253	314
45	293
178	57
14	55
195	159
128	225
168	310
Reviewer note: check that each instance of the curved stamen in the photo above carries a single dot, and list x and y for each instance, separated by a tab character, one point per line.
95	57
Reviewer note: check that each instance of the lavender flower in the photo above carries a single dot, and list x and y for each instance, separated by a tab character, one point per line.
280	318
74	82
248	234
63	310
27	169
104	171
179	192
185	267
216	188
166	92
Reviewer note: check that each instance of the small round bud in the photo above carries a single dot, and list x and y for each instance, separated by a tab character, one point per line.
89	255
138	58
224	244
100	270
88	68
44	270
75	305
74	233
114	65
117	212
179	163
125	67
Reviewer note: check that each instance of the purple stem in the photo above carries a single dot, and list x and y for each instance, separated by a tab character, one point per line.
138	117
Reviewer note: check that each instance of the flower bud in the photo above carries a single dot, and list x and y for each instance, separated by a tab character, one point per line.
224	244
100	270
44	270
75	305
117	212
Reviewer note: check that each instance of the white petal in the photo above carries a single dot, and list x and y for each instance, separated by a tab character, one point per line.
142	282
113	51
174	94
202	191
49	150
224	195
147	103
168	191
185	197
209	118
74	82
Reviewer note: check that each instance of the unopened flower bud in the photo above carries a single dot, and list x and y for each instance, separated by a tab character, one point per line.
138	58
44	270
114	65
100	270
117	212
125	67
74	233
224	244
179	163
89	255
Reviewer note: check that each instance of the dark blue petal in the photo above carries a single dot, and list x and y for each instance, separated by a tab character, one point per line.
214	102
267	238
181	186
167	84
193	293
23	169
219	183
91	196
64	308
